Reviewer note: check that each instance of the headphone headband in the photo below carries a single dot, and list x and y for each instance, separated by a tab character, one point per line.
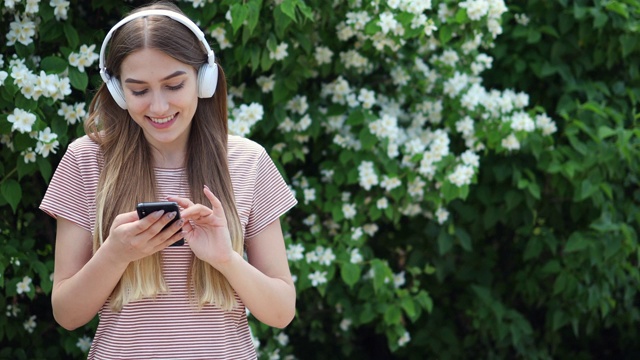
207	75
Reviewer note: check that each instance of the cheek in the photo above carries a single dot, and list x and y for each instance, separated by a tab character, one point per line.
135	104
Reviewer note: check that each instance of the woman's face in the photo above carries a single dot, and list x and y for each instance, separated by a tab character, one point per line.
161	95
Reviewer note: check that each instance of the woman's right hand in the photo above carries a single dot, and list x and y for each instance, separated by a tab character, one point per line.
131	238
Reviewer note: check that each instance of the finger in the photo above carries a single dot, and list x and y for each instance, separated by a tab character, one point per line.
155	222
124	218
214	200
196	212
182	202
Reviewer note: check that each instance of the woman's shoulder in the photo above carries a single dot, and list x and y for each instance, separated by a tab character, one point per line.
238	146
84	144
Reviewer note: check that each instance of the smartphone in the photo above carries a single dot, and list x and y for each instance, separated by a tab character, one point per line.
146	208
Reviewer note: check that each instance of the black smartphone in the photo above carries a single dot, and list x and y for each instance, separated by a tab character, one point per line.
146	208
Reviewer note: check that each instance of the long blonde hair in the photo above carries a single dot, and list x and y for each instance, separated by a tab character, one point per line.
127	175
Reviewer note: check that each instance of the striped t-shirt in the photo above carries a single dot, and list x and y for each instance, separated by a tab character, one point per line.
168	327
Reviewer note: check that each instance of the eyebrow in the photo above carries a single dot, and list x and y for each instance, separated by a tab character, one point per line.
177	73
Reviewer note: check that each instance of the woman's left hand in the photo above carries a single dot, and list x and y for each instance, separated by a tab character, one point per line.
206	230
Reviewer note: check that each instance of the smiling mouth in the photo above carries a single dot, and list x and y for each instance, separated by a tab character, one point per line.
162	120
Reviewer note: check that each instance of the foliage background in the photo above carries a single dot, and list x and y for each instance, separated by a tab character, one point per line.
532	252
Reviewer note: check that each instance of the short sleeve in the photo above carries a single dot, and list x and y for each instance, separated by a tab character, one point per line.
271	196
66	195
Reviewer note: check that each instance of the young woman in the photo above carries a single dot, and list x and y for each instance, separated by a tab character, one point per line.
157	131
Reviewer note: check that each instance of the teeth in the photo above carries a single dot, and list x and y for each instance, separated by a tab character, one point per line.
161	120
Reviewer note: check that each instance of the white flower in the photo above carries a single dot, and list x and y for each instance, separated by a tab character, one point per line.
21	120
21	30
367	175
367	98
12	310
282	339
280	52
23	286
349	211
45	148
476	9
382	203
3	77
32	7
462	175
318	278
370	229
28	155
72	113
442	214
521	121
295	252
345	324
60	8
399	280
47	136
309	195
304	123
84	343
325	256
323	55
387	22
356	233
30	324
358	19
544	123
404	339
390	183
298	104
522	19
355	257
84	58
511	142
465	126
266	83
470	158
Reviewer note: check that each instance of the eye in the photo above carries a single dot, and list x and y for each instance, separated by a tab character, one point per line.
139	93
177	87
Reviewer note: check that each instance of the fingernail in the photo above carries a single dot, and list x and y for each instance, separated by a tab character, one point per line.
171	215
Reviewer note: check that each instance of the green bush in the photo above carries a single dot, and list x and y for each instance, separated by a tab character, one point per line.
441	211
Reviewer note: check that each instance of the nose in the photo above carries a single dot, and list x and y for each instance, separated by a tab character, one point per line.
159	104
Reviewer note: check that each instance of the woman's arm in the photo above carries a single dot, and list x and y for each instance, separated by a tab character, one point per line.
264	283
82	283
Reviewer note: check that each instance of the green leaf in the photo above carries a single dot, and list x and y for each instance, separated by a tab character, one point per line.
53	65
392	315
239	12
253	14
445	242
425	300
45	168
288	7
464	238
445	34
12	193
72	35
350	273
576	242
560	284
619	8
79	80
605	132
367	139
409	307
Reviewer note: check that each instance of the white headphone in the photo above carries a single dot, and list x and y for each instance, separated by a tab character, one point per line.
207	74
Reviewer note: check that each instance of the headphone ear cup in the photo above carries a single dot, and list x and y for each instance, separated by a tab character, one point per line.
113	85
207	80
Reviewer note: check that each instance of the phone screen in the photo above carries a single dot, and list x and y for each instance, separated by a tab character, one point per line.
146	208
